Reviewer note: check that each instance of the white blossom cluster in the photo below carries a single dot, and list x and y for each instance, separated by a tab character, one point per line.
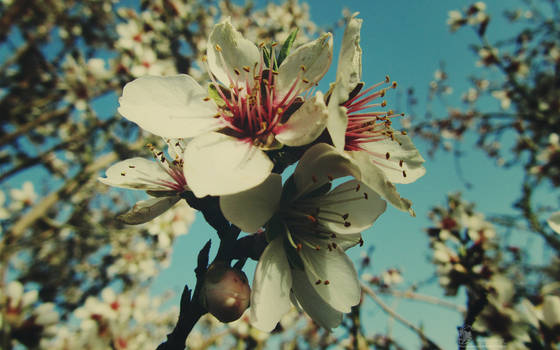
224	139
131	320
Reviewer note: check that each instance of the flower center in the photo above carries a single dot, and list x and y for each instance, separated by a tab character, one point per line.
251	107
174	168
308	218
366	126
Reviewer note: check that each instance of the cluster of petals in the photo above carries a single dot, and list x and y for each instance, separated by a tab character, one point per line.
163	179
384	156
252	104
309	226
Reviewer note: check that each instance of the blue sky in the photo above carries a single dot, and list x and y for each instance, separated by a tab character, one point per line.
406	40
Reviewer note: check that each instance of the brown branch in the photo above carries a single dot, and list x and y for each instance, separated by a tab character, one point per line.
398	317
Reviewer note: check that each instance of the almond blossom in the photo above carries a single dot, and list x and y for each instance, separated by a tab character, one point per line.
309	226
162	179
385	156
255	102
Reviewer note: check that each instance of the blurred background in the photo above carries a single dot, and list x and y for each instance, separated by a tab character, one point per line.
480	89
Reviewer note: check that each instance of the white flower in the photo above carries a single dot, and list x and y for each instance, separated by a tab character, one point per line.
244	115
455	20
163	179
23	197
554	222
384	156
503	96
4	213
309	226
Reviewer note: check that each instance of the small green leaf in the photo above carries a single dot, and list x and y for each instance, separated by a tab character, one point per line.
266	56
286	47
215	95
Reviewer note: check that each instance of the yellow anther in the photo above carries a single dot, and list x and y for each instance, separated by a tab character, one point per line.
218	48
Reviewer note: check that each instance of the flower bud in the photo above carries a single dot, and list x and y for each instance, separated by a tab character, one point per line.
226	292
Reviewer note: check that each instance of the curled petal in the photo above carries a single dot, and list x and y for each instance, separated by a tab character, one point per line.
349	70
554	222
147	210
337	122
217	164
172	107
138	173
306	124
319	164
306	65
374	178
333	277
362	205
312	303
228	51
270	297
403	163
249	210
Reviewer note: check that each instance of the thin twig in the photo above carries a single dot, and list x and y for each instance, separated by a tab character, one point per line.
425	298
398	317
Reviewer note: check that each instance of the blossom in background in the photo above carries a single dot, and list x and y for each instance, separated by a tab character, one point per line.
23	197
384	156
554	222
163	179
255	102
308	226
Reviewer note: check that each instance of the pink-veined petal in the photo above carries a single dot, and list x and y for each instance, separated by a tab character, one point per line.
217	164
172	107
249	210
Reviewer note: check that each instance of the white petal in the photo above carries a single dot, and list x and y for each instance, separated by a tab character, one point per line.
343	288
349	70
375	179
400	149
337	122
306	124
217	164
270	296
361	212
251	209
551	310
144	211
315	56
235	52
554	222
171	107
138	173
312	303
318	163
